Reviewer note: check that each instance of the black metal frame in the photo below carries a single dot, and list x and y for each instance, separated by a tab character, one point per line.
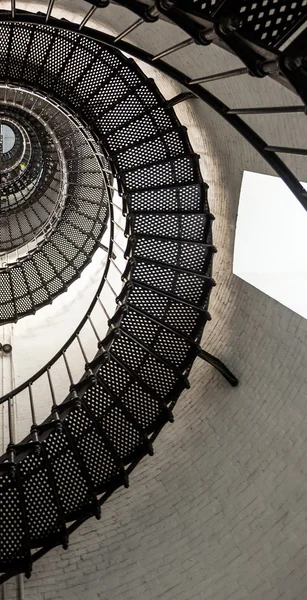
196	89
22	261
259	62
118	335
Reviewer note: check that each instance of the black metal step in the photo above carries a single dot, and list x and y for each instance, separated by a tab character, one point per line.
110	417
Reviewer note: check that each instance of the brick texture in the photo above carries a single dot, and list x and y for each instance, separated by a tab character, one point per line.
219	513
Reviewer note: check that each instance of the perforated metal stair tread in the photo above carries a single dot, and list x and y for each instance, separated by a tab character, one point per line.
143	364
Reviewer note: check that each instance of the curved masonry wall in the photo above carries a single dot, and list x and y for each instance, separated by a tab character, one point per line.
219	513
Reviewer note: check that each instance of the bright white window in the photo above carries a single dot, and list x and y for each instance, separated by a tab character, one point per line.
8	138
271	241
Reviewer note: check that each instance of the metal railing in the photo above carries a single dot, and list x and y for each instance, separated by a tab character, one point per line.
195	90
261	64
93	327
99	321
20	253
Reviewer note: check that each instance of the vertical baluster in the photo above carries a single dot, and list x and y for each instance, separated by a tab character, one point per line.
93	327
87	17
11	445
114	189
54	408
3	427
175	48
120	208
70	377
111	288
82	348
21	588
34	428
218	76
119	226
129	29
116	267
74	395
119	247
103	308
89	371
49	9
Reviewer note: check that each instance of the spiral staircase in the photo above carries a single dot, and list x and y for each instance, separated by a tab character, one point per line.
88	125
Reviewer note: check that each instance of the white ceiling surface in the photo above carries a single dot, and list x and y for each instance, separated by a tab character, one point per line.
218	513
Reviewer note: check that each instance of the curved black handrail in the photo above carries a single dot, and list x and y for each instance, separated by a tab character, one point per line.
199	92
195	89
180	374
59	354
108	178
221	109
81	324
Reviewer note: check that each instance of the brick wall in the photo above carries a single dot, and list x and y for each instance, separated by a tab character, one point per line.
219	513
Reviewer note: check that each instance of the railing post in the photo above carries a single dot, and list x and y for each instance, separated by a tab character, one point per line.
54	408
88	369
34	429
11	445
74	395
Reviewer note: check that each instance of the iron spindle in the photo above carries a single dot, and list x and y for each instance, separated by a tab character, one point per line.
116	267
93	327
129	30
111	288
68	368
32	405
285	150
120	208
103	308
74	396
114	189
268	110
49	9
87	17
117	225
175	48
82	348
11	445
217	76
34	423
118	246
54	408
3	426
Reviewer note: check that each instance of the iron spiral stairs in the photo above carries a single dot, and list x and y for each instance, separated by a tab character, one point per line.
92	119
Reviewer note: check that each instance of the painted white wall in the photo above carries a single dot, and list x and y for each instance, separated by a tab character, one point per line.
219	512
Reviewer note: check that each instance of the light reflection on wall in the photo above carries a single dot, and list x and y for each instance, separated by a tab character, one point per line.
271	241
